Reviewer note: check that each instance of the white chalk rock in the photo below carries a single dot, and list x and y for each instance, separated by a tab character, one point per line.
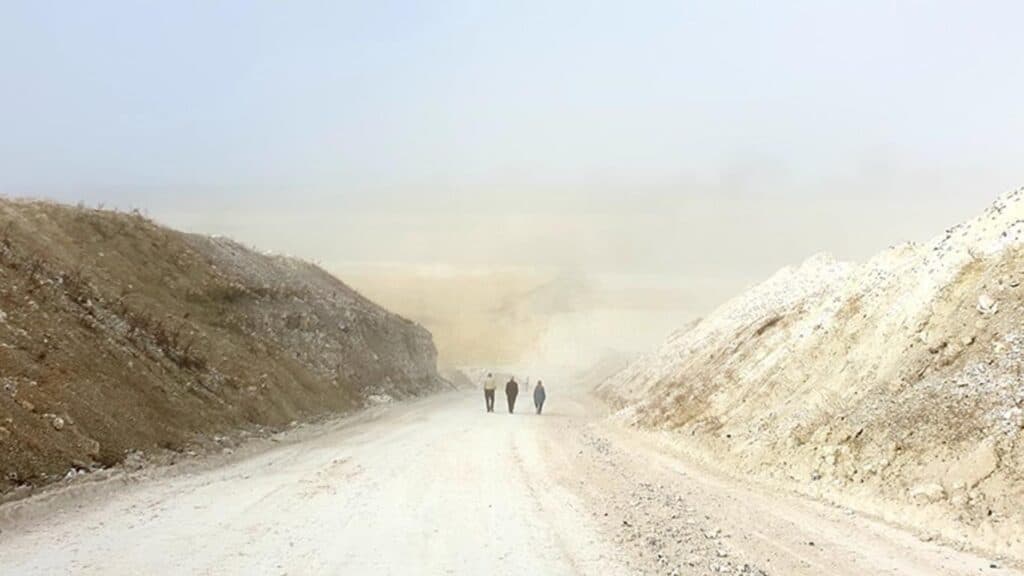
987	305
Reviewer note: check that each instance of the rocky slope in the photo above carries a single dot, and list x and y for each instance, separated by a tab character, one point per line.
894	386
118	336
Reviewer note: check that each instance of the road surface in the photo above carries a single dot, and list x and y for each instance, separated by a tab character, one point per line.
438	486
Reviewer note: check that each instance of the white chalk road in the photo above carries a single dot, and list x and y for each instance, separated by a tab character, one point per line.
438	486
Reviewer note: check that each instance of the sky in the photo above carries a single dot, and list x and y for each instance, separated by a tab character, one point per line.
695	140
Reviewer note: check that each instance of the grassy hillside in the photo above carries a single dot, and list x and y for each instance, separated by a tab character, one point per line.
118	335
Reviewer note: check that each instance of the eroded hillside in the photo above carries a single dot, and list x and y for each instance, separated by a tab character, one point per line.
894	386
118	335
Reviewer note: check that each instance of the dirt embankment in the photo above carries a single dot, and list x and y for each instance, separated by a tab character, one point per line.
894	387
118	335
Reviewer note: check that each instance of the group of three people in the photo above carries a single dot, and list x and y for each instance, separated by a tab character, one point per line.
511	393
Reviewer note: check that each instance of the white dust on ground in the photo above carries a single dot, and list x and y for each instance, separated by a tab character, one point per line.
437	486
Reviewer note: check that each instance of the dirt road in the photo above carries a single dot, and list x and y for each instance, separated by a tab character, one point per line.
440	487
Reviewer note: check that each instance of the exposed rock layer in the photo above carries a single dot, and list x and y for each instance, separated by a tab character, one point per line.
894	386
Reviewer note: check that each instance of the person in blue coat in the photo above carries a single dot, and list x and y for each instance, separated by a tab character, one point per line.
539	395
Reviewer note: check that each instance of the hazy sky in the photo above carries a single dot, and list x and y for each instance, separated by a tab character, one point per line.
697	138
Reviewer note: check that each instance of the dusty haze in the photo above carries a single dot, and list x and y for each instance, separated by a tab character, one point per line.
562	287
535	316
661	156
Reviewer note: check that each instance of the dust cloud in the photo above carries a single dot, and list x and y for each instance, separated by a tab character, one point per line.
566	287
502	277
531	316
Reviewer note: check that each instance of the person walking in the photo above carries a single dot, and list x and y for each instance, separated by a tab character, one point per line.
489	387
511	391
539	396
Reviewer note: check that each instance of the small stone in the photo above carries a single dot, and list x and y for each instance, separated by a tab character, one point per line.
987	305
928	493
58	423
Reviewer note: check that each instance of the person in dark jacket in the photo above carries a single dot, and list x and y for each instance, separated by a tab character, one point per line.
539	396
511	391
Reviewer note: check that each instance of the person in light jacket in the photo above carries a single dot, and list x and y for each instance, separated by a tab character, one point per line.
539	396
489	387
